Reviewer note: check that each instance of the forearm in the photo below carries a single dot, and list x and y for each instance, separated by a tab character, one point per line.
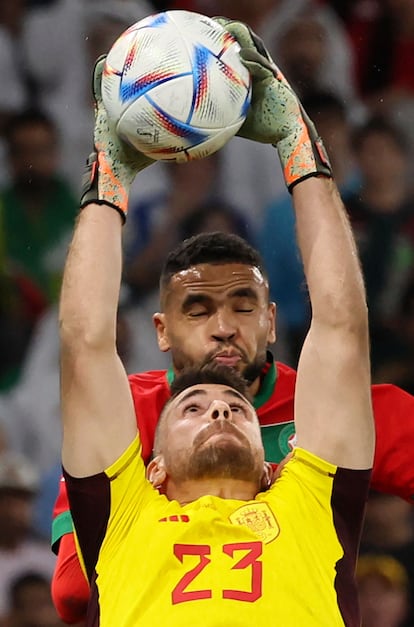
333	413
329	255
91	281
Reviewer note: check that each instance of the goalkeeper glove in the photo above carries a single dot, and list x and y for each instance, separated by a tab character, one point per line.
113	165
276	115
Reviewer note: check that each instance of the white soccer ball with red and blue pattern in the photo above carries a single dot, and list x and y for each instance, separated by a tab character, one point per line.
175	86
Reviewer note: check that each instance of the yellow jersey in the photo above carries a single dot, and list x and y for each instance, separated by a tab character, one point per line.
284	559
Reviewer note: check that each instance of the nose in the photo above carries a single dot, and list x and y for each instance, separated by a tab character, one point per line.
219	410
224	328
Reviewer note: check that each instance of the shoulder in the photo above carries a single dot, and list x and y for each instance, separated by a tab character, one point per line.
281	384
390	397
274	403
311	480
150	381
150	391
285	372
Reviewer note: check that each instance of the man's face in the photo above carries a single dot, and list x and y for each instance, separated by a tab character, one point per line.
15	516
381	159
217	313
33	154
211	431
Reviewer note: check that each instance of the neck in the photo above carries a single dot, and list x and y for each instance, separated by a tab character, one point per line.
191	490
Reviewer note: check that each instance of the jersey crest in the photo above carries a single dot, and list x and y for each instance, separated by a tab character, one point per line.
259	518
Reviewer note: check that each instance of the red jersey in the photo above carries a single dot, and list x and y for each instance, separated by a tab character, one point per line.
394	419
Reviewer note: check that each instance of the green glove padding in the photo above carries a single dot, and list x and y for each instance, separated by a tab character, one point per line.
113	165
276	115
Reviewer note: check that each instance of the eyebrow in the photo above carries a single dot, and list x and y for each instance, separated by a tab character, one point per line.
235	394
191	394
196	392
203	299
244	292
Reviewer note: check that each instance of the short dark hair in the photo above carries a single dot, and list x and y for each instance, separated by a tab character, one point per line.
28	118
319	102
206	374
212	248
380	125
23	581
209	374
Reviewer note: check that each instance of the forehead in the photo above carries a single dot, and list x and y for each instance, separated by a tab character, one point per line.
216	280
207	393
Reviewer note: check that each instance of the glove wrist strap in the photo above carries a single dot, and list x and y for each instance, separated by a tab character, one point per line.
307	158
90	188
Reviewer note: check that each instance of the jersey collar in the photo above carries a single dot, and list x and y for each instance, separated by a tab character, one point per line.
268	378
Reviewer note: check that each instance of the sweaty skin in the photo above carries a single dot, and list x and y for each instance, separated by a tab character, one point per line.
225	317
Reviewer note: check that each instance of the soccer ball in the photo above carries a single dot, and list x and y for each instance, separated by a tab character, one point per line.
174	85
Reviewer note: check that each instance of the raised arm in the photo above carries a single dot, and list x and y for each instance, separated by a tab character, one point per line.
96	404
333	411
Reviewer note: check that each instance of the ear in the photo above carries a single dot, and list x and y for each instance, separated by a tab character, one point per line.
158	320
267	477
156	473
271	337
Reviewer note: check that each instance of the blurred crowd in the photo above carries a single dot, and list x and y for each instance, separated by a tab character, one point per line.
352	64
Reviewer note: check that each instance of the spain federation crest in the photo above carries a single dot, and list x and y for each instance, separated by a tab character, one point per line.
259	518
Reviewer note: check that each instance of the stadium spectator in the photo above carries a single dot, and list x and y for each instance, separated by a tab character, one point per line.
19	551
396	364
389	529
215	216
34	234
251	179
16	94
156	220
383	591
31	409
382	216
382	32
276	240
30	602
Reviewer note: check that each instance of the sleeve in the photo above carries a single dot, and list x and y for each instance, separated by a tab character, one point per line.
70	590
62	522
393	470
105	503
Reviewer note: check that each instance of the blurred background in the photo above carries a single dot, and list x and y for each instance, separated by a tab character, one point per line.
352	64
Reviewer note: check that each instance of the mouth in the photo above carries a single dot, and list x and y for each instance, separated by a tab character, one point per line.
227	359
219	431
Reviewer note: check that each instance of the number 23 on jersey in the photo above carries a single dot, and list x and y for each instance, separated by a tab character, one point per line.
237	563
